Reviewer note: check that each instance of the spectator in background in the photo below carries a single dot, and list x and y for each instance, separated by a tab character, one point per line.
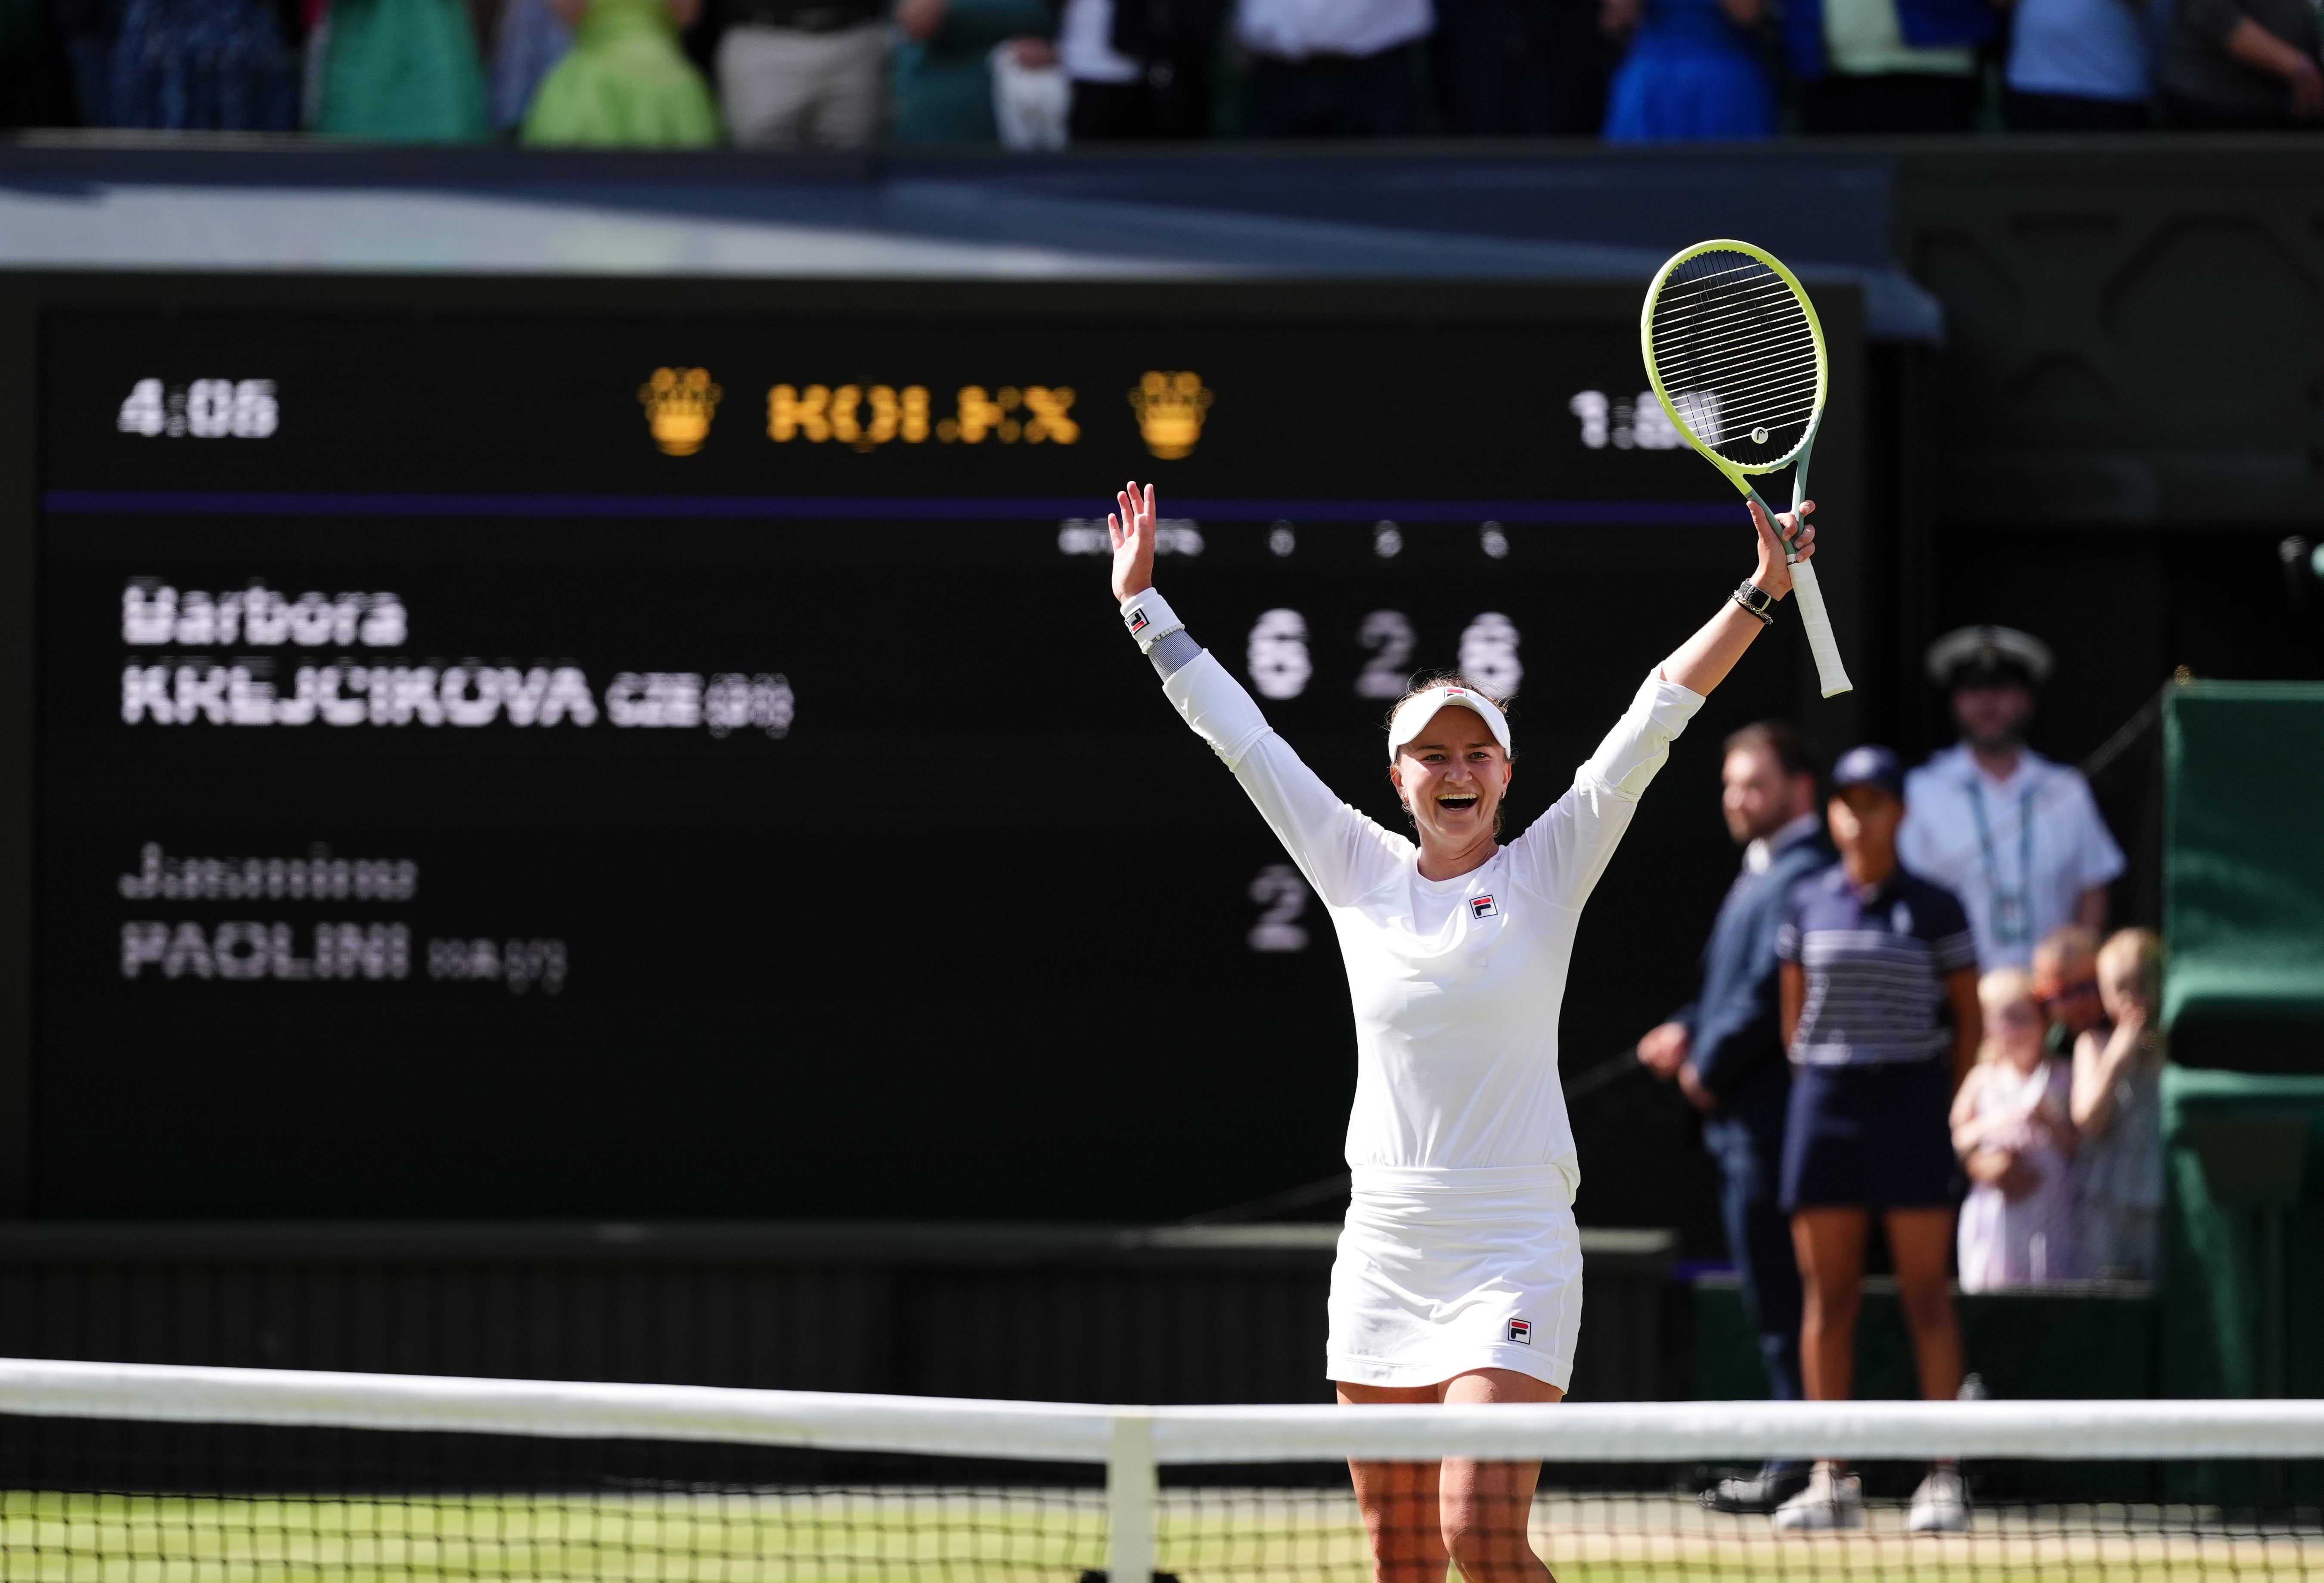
1523	67
1725	1049
2014	1130
1334	68
1140	68
2231	65
403	71
803	73
528	42
1887	66
626	83
2066	983
2077	66
1881	1018
200	66
1694	71
2117	1105
2017	838
943	76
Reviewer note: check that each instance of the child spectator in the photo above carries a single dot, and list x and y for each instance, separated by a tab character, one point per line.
626	83
2066	983
2013	1128
2117	1106
1694	71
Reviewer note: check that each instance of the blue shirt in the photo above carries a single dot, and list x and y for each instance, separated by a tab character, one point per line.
1875	966
1736	1027
2091	48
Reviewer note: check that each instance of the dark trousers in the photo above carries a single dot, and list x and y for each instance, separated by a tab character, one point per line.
1175	110
2071	113
1749	1152
1522	68
1892	102
1335	95
2184	115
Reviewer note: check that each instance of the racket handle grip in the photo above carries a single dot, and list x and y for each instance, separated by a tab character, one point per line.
1808	595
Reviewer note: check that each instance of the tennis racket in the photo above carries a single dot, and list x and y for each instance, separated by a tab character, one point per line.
1736	354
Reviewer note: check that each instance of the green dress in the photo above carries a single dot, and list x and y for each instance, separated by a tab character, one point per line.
624	84
403	71
943	87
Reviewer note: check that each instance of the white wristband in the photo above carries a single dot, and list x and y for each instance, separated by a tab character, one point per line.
1150	618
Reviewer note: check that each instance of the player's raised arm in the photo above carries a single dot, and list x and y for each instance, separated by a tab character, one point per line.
1703	660
1132	524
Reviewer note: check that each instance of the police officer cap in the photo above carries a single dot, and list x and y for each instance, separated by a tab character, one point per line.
1969	655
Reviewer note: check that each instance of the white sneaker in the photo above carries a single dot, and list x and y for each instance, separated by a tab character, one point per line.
1940	1506
1830	1501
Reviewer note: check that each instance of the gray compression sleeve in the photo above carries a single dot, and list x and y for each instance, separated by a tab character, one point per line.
1174	653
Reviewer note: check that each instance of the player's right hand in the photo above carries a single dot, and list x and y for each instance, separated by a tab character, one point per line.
1131	525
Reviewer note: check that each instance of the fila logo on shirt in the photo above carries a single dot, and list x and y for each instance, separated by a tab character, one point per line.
1521	1331
1482	906
1137	619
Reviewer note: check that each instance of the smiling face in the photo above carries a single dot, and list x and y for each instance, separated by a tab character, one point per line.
1452	777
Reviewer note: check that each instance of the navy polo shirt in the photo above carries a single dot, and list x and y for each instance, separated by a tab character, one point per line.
1875	967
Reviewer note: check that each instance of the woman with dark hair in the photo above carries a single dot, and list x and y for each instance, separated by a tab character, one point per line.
1459	1276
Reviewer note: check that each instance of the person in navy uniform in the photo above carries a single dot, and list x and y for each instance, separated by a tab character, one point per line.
1881	1018
1725	1051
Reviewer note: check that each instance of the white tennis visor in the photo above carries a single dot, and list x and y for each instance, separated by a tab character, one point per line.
1413	715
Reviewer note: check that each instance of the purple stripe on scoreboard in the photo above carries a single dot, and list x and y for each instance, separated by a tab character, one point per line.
293	503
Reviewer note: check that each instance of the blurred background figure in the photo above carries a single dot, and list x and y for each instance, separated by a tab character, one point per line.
2066	983
1523	67
2016	837
527	42
1887	66
626	83
401	72
1140	68
803	73
2117	1107
184	65
1882	1021
1334	68
2241	65
2014	1133
1694	71
1725	1050
943	76
2078	66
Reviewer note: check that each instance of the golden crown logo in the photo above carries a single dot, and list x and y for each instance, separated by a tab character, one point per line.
679	402
1170	408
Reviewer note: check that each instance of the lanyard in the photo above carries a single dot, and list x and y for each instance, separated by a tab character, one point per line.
2011	926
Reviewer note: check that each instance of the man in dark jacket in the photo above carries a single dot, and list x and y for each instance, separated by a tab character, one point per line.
1725	1050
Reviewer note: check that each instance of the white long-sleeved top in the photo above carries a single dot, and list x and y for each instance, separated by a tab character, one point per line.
1457	983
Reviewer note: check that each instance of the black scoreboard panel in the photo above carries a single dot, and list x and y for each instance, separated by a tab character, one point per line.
661	750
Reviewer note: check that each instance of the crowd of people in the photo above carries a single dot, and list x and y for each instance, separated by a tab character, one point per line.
1908	1012
844	74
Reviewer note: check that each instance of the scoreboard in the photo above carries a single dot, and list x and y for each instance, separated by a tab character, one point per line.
666	749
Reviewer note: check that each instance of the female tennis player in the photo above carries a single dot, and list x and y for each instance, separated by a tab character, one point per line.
1459	1276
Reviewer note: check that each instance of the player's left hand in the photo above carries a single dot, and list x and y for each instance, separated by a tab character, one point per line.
1775	573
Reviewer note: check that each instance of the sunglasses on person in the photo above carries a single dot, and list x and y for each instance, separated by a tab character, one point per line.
2051	994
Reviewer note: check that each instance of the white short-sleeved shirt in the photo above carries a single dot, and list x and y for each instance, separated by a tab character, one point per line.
1293	30
1457	983
2019	873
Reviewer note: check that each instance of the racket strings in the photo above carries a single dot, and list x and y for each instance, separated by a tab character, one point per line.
1732	343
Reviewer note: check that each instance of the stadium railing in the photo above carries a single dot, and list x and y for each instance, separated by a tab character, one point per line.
156	1474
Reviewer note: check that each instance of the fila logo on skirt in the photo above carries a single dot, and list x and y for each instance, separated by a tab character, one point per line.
1482	906
1520	1330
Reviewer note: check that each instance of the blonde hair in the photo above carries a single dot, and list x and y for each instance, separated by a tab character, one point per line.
1999	987
2139	951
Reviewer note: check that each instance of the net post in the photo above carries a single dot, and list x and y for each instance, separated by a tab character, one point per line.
1129	1486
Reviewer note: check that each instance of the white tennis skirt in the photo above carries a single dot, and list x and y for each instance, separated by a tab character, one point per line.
1443	1271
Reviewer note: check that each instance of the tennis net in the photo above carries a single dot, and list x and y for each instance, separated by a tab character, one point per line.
167	1475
